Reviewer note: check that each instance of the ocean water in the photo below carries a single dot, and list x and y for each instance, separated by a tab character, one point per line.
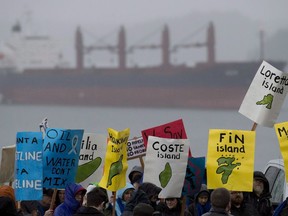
16	118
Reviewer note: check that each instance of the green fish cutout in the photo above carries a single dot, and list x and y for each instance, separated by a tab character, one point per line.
267	100
165	175
115	169
87	169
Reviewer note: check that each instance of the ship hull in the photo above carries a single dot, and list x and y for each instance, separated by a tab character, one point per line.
218	86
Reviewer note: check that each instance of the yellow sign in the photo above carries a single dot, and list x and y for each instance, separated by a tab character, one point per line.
282	134
116	165
230	159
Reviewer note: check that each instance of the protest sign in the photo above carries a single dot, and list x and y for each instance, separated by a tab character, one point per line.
136	148
230	159
116	164
194	176
173	130
265	96
281	130
91	158
165	164
61	156
7	164
28	166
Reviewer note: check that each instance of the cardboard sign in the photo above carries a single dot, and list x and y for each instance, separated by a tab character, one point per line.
91	158
230	159
61	156
281	130
172	130
136	148
28	169
7	164
265	96
116	164
165	164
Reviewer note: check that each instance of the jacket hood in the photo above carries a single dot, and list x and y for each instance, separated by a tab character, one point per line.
70	191
122	190
260	176
135	169
150	189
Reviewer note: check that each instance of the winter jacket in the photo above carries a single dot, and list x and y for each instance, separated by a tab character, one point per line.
281	208
120	203
143	195
88	211
165	211
70	204
196	209
262	203
245	209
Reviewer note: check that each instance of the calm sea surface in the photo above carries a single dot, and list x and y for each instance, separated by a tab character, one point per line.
97	119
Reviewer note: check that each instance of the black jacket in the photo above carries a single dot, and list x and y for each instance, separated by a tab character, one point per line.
88	211
262	203
244	210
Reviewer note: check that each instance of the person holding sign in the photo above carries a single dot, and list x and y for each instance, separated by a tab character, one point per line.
239	207
74	194
260	197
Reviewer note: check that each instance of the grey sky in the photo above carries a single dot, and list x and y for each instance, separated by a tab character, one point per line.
59	18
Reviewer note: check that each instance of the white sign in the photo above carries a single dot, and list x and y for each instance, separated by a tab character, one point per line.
136	148
165	164
265	96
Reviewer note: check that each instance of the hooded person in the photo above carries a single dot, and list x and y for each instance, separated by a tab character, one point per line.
136	176
74	194
123	196
146	193
7	201
260	196
201	203
172	206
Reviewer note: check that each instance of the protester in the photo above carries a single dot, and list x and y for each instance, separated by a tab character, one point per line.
136	176
123	196
260	197
108	208
201	203
143	209
60	197
7	201
38	207
74	194
239	207
96	200
171	206
220	201
146	193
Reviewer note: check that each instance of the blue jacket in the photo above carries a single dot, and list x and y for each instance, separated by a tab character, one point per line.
70	204
120	203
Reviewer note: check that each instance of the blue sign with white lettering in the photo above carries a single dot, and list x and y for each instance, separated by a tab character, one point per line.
28	166
60	156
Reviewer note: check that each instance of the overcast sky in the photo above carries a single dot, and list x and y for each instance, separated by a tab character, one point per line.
60	17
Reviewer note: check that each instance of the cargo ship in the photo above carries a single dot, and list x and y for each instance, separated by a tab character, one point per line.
206	85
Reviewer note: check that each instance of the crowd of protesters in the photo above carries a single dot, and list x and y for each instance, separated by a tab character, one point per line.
139	198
